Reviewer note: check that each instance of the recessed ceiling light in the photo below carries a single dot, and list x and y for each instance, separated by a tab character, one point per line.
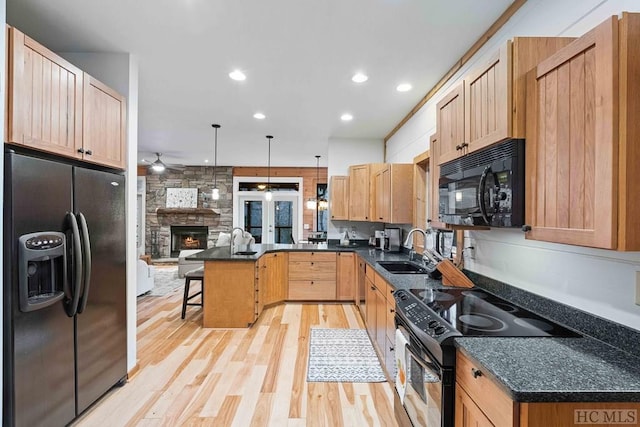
237	75
403	87
259	116
359	78
346	117
206	160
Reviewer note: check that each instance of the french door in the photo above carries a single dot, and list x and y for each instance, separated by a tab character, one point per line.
272	221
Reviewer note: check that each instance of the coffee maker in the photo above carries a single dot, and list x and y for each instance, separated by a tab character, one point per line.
392	239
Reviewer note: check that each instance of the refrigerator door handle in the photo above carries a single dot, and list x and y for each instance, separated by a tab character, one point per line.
71	305
86	261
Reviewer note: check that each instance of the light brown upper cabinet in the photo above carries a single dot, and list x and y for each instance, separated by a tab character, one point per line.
44	108
488	106
393	188
421	195
103	131
339	197
433	213
361	191
582	134
450	124
53	106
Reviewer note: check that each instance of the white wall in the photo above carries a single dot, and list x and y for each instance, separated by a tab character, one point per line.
342	153
120	72
598	281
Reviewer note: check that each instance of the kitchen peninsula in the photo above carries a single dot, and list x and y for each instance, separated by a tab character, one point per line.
237	287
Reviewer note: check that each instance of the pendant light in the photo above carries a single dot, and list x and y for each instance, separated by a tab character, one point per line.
313	202
321	201
268	195
215	193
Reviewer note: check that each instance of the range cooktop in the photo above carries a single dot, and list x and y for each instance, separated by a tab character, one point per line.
474	312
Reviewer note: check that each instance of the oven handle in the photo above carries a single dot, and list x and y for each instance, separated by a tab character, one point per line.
481	185
430	368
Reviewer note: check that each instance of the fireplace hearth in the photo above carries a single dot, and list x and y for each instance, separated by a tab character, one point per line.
188	237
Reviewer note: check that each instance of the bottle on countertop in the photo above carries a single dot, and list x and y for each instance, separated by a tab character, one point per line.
344	241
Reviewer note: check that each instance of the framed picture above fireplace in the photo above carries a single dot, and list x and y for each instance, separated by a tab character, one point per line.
182	197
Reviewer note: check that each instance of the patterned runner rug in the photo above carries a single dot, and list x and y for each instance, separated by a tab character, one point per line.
342	355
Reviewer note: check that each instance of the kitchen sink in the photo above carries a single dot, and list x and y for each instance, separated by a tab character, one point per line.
245	253
403	267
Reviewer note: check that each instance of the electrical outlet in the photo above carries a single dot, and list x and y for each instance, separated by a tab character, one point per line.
470	248
307	226
637	287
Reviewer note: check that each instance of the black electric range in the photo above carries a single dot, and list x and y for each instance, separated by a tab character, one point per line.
436	316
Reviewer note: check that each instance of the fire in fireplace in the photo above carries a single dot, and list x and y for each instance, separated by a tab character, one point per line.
188	237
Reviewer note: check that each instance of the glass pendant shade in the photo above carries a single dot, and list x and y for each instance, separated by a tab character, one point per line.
311	204
215	193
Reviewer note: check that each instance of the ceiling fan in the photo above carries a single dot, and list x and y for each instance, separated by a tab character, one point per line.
158	166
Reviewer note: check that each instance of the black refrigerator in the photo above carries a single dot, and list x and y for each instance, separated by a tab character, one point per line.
64	288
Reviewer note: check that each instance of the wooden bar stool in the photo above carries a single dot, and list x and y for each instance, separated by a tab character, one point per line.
197	274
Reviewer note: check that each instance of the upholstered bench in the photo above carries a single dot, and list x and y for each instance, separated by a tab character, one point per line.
185	266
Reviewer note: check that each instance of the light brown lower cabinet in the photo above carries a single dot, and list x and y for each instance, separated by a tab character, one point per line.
230	294
312	276
480	402
273	278
379	307
346	276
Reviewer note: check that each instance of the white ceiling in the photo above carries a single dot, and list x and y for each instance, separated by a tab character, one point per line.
298	55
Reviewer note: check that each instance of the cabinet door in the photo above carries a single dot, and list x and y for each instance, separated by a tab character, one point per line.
572	145
44	109
487	98
450	125
467	412
433	181
339	197
370	297
104	124
383	195
359	180
273	278
346	276
420	195
381	319
399	191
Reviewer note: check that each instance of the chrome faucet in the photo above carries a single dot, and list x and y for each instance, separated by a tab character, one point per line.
233	235
408	241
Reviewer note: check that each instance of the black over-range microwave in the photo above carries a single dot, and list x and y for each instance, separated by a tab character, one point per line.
485	187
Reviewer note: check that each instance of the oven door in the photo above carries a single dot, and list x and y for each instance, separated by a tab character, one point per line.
423	393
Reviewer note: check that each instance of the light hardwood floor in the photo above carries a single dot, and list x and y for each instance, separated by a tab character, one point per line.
237	377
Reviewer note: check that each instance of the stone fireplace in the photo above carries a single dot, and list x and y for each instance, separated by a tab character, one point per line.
188	237
210	217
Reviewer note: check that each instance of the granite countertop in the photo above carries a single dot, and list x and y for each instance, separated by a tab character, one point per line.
557	369
369	254
528	369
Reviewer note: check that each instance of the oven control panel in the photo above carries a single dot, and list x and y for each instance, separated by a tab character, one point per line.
422	317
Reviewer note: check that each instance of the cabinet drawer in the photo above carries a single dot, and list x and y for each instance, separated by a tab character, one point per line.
495	404
312	256
302	290
312	270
